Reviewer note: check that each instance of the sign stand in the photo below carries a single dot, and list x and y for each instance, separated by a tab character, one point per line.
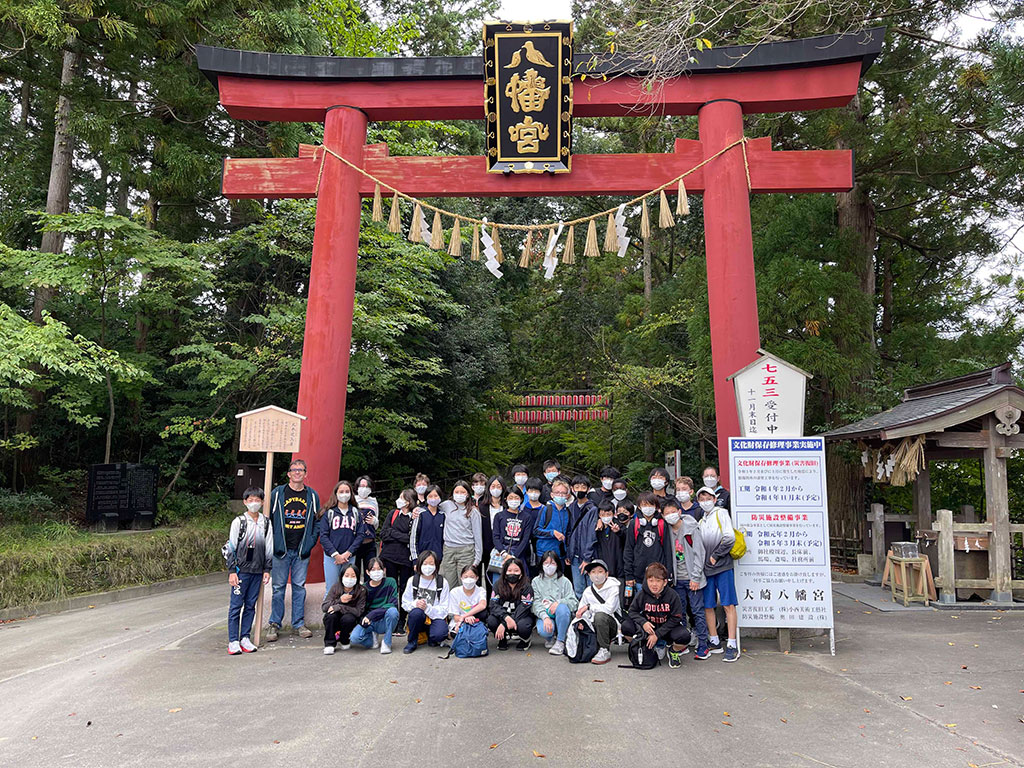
271	430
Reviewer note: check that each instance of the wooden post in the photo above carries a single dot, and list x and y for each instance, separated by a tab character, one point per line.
923	499
997	512
268	485
785	639
970	516
878	539
944	524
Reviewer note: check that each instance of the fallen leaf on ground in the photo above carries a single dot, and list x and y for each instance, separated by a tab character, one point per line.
551	693
601	681
907	698
392	681
355	713
783	719
449	695
726	722
276	741
975	687
72	714
538	754
950	643
176	709
867	611
963	666
842	670
493	746
726	714
947	682
951	725
418	700
92	606
867	711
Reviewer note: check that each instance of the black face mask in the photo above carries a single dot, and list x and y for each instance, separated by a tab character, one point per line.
622	518
513	578
581	495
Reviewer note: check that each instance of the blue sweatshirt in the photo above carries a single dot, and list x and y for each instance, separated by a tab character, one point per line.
427	533
341	531
511	532
550	519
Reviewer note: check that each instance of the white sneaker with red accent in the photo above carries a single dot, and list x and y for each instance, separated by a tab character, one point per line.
234	648
247	646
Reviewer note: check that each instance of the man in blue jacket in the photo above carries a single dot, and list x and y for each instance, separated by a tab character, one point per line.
294	509
582	538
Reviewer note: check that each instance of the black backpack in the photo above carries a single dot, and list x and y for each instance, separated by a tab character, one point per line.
640	656
580	642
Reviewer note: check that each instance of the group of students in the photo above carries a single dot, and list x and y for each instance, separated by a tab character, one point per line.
652	568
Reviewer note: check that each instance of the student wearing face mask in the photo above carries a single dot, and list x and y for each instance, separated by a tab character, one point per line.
377	626
607	476
532	507
519	476
511	531
478	484
717	533
656	615
551	469
647	541
510	612
619	493
687	573
601	598
341	532
420	485
463	541
658	480
582	529
609	538
687	499
426	598
711	480
492	504
553	520
553	601
369	510
467	603
344	606
394	544
249	554
427	531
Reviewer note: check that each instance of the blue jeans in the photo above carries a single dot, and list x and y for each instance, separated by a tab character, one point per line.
693	605
293	565
363	635
243	597
580	581
562	618
332	571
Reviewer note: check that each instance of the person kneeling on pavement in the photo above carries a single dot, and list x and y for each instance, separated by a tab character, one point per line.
511	604
344	606
553	602
376	627
657	611
601	598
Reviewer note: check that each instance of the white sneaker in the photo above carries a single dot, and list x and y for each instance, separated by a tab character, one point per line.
660	651
603	656
247	645
234	648
376	640
557	649
328	650
346	646
385	648
549	642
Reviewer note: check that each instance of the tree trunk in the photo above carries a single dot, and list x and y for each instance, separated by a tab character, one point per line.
647	272
110	421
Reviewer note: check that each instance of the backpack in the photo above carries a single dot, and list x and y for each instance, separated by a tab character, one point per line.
470	641
438	585
580	642
739	546
661	529
230	546
640	656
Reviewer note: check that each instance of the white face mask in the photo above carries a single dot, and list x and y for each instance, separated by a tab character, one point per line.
534	495
427	569
362	492
710	481
549	569
657	483
432	502
520	479
468	585
459	498
401	503
647	511
683	496
606	520
376	575
344	496
254	506
707	505
349	581
513	503
619	494
496	493
478	490
606	483
671	518
598	578
421	489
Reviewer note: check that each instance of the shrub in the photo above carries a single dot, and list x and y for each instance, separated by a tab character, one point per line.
28	507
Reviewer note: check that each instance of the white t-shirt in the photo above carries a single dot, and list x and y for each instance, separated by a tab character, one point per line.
460	603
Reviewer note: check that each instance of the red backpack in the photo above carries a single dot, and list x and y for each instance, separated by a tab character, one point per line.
661	529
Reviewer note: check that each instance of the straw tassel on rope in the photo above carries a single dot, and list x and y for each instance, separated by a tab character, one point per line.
416	229
590	246
665	219
524	260
499	256
474	254
645	221
611	237
568	253
455	244
395	219
378	208
682	204
437	233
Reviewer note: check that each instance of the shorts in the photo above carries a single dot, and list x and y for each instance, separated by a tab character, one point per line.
725	585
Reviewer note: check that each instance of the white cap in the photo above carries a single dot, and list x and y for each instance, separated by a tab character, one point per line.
705	489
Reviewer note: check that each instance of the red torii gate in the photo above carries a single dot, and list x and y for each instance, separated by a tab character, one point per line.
345	93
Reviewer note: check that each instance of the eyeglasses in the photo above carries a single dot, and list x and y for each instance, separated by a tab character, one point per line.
297	471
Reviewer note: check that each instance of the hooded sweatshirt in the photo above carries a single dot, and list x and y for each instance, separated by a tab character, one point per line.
461	530
434	590
608	547
609	592
717	534
688	550
341	531
546	591
647	541
664	611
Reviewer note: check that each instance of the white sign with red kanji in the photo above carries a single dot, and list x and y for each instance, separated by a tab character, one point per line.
770	397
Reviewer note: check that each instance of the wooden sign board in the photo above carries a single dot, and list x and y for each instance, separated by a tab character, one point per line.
270	430
770	397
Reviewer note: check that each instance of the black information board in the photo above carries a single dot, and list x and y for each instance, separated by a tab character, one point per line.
125	489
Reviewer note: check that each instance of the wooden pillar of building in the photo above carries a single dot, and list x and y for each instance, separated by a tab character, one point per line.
997	512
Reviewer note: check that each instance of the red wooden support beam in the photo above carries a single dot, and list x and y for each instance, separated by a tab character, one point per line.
296	100
828	170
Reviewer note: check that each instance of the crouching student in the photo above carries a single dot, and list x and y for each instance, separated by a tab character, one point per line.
601	598
511	603
688	570
376	627
344	607
467	603
554	600
657	613
250	556
426	599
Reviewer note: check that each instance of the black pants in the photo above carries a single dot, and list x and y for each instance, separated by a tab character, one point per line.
338	627
401	573
604	628
679	635
524	626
